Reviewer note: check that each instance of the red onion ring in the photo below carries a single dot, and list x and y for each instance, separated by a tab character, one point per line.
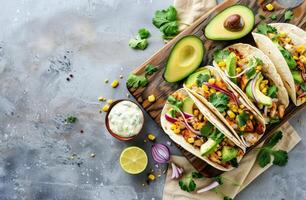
170	119
209	187
160	153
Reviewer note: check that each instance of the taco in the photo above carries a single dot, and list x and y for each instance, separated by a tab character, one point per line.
252	74
192	126
285	45
245	122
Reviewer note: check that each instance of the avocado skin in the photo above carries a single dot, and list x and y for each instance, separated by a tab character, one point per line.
297	77
173	49
216	22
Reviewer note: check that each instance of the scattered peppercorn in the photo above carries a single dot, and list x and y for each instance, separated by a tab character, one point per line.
81	131
68	79
106	81
71	75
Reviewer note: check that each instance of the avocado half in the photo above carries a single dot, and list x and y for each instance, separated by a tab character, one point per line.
185	57
215	29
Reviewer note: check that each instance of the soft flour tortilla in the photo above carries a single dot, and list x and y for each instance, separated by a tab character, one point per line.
268	69
270	49
179	139
217	72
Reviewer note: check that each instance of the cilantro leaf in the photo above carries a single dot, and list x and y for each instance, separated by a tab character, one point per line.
234	162
138	43
274	120
201	78
196	175
187	183
265	29
219	101
136	81
288	15
227	198
242	119
272	91
71	119
150	69
173	101
264	157
303	86
262	17
220	55
218	179
273	16
217	136
276	137
289	58
280	157
143	33
166	21
207	129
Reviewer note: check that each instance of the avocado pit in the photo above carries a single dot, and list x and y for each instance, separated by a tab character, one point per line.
234	23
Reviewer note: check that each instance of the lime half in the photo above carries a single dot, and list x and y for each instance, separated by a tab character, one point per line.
133	160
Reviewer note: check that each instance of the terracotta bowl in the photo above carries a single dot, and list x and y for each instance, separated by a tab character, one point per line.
107	121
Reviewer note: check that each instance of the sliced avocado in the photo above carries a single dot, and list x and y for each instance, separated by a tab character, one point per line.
188	105
297	76
232	23
192	79
185	57
228	153
231	66
260	97
248	90
208	147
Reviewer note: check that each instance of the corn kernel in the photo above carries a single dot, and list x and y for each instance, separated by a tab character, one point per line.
269	7
265	81
115	84
287	40
205	88
295	57
303	59
151	177
221	64
300	48
196	113
176	130
303	99
262	86
259	67
151	98
151	137
190	140
265	90
110	101
173	126
242	128
240	111
241	106
238	69
101	99
231	114
105	108
282	34
212	81
212	90
235	109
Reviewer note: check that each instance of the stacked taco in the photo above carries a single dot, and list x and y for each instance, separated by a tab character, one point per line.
192	125
285	45
252	74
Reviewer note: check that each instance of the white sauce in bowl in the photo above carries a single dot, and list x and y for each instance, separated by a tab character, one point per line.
125	119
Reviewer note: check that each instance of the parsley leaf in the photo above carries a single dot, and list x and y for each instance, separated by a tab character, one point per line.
71	119
136	81
207	129
288	15
289	58
272	91
265	29
143	33
219	101
303	86
242	119
166	21
220	55
138	43
265	153
150	69
201	78
273	16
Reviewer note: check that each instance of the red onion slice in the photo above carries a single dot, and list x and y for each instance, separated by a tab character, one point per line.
187	125
170	119
177	172
303	76
208	187
302	95
160	153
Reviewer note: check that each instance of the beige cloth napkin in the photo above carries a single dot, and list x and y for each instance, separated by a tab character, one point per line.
247	171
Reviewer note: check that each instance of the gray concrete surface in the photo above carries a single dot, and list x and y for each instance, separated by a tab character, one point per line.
41	157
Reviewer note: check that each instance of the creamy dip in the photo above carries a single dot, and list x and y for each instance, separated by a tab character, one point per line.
125	119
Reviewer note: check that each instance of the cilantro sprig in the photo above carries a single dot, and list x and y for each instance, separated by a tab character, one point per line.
150	69
187	183
140	41
136	81
264	28
166	21
288	15
219	100
220	55
267	151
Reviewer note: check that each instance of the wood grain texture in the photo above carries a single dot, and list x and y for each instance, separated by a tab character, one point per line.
161	89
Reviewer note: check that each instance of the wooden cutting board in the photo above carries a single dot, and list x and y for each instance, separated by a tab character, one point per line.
161	89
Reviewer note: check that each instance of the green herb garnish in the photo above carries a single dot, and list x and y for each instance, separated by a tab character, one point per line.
273	16
71	119
303	86
219	101
272	91
274	120
136	81
187	183
150	69
289	58
265	29
207	129
242	119
138	43
166	22
265	153
288	15
262	17
220	55
143	33
201	78
173	101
